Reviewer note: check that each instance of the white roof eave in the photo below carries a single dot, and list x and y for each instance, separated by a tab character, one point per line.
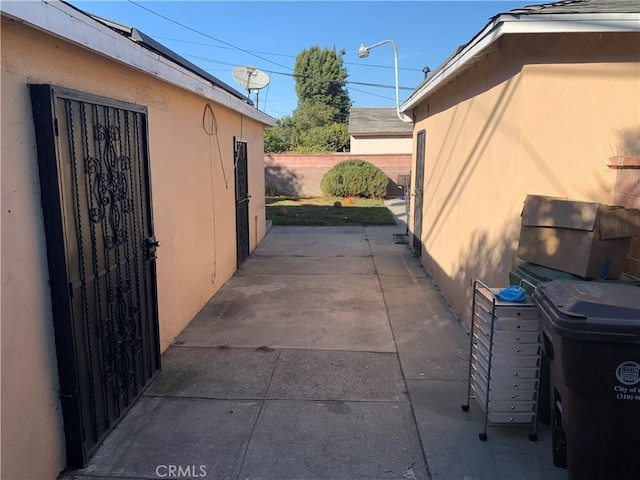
521	24
66	23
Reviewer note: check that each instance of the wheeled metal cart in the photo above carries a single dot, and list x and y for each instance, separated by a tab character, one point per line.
504	360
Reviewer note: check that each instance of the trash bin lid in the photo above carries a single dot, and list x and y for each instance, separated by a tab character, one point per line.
591	310
544	274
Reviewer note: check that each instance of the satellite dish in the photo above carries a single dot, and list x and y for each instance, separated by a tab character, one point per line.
250	77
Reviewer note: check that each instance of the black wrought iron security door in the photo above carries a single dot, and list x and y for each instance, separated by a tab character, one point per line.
96	199
418	194
242	200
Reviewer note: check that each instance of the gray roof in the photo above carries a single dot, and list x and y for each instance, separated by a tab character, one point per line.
580	6
149	43
376	120
601	16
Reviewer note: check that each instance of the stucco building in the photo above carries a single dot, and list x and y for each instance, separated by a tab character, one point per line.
535	103
378	131
110	144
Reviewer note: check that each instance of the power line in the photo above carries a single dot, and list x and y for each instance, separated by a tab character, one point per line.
220	46
207	35
368	65
321	79
347	82
234	47
317	78
372	94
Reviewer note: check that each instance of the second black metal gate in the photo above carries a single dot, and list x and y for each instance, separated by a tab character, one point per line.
418	194
242	200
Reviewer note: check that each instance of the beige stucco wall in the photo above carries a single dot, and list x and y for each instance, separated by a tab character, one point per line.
539	115
377	145
196	255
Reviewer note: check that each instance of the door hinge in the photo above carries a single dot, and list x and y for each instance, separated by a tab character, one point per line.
55	127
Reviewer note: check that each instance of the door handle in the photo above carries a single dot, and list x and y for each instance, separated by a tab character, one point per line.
246	199
152	244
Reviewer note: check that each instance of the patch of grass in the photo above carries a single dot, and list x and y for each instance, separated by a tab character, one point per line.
319	211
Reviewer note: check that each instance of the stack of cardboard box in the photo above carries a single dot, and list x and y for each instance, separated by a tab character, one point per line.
587	239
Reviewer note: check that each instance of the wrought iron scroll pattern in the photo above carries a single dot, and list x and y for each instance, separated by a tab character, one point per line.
110	208
127	307
86	317
118	298
108	336
136	335
94	171
101	318
109	170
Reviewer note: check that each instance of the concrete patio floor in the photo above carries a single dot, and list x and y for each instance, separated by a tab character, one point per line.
328	355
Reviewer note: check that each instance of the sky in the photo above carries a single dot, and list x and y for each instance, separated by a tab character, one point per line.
267	35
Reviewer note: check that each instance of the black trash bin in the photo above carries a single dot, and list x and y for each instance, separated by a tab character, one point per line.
591	333
529	276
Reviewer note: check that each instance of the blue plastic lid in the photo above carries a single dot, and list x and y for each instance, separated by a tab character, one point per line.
514	293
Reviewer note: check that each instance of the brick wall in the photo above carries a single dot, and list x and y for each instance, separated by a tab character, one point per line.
299	175
627	194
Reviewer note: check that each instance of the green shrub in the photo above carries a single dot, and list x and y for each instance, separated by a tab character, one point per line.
355	178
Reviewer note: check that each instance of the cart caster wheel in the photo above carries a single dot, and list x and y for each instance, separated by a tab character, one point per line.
482	436
465	408
533	437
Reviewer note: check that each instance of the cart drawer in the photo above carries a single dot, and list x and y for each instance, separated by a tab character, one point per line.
507	360
480	387
505	372
516	325
499	384
503	360
514	417
482	341
506	309
502	406
512	373
516	350
515	335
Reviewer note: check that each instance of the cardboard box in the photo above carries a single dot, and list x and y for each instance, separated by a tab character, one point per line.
587	239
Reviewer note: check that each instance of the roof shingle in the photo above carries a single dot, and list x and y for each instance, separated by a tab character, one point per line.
376	120
580	6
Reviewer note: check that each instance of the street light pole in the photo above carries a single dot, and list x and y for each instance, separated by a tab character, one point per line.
363	52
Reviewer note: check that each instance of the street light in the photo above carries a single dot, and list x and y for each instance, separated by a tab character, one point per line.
363	52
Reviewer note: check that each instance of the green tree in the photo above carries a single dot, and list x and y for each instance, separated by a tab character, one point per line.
274	141
319	124
333	137
314	115
281	137
320	81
